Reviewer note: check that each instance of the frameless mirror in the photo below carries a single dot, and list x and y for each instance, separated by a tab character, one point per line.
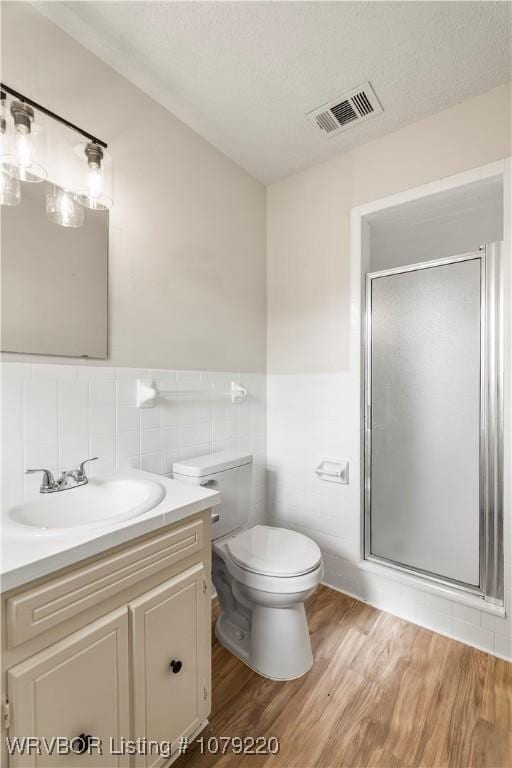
54	280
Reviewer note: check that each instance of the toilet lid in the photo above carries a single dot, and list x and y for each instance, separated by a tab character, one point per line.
274	551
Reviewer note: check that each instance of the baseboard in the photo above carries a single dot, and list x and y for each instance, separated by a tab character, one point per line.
348	594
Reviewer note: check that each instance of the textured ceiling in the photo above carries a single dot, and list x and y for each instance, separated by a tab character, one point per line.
244	74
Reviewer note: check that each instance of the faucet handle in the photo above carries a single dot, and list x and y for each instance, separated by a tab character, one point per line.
48	481
81	470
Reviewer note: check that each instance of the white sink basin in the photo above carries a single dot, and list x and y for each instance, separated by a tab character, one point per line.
100	502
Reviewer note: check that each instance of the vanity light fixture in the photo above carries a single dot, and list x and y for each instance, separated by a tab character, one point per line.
94	174
22	158
62	208
25	155
10	189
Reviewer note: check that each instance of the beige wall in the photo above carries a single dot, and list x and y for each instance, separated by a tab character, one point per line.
308	223
187	246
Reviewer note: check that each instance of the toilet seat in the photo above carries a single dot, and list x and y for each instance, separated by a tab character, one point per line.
275	552
271	584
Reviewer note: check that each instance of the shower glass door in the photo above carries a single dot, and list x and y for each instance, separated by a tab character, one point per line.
425	431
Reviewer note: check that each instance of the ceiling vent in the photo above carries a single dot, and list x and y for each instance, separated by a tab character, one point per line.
352	108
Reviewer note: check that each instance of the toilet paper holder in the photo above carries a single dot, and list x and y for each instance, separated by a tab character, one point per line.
333	471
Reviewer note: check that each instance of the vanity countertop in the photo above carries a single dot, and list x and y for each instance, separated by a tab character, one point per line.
30	553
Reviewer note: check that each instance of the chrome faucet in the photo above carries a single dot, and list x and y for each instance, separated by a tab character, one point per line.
71	478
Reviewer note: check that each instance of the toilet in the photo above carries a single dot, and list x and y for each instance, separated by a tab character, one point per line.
262	574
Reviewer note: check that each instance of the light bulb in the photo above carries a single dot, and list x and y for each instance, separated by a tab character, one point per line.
94	171
23	153
24	161
94	185
66	209
62	208
10	190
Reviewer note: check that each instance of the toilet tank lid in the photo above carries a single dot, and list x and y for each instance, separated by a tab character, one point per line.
211	463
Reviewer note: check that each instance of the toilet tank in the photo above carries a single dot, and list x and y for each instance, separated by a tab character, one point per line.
228	472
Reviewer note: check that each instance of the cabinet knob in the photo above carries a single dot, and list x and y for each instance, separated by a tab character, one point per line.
82	743
176	666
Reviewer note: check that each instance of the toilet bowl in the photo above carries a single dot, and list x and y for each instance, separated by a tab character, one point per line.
273	636
262	574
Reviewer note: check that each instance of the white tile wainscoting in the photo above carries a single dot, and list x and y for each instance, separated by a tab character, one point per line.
312	416
57	415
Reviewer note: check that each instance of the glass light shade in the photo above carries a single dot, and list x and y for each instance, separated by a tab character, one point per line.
94	177
6	127
62	208
23	156
10	190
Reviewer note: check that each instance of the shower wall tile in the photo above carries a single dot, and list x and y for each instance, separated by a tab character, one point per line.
317	416
501	626
57	415
438	604
503	646
473	635
432	619
466	613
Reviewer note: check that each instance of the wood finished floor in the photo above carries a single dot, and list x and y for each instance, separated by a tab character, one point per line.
382	693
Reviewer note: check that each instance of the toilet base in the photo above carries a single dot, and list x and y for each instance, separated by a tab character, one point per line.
227	634
233	638
262	618
276	646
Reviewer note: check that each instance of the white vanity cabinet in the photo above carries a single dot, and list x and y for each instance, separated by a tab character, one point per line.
115	649
169	630
78	686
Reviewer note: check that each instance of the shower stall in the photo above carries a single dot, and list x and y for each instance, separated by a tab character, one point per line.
433	420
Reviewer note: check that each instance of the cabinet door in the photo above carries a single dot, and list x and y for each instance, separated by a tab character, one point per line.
77	686
171	659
